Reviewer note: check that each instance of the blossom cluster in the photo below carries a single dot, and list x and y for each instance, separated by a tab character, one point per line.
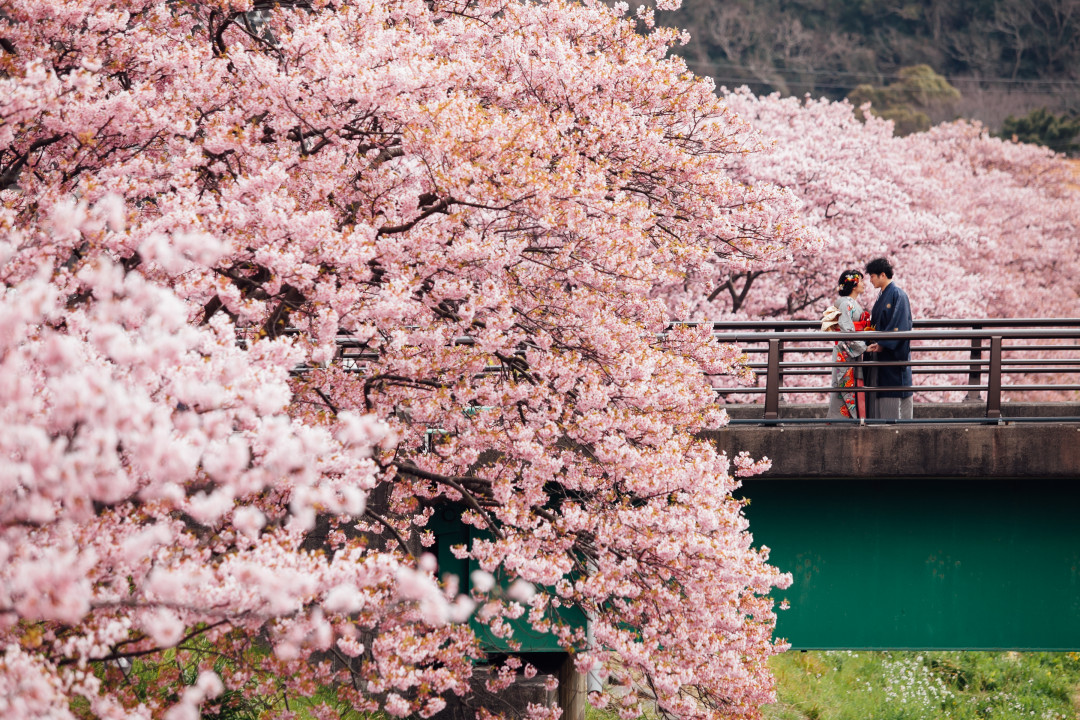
975	226
280	283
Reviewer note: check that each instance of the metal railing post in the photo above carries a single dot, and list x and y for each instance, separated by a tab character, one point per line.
780	377
993	379
975	371
772	382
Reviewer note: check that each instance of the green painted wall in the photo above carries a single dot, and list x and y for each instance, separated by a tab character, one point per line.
924	564
448	529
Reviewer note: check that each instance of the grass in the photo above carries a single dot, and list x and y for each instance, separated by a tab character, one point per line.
860	685
857	685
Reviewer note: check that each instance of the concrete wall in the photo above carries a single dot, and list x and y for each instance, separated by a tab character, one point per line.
1006	450
921	410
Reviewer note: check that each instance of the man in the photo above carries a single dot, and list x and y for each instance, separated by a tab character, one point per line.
892	312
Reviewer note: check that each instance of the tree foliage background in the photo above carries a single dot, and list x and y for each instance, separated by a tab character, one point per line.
1005	56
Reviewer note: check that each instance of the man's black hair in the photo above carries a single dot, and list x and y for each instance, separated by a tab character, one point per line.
879	266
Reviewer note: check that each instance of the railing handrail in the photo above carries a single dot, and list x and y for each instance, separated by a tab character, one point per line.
920	323
832	336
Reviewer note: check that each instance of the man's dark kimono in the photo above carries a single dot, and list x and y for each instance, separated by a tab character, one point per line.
892	311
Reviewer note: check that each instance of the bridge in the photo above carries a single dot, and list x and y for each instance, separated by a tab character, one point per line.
957	529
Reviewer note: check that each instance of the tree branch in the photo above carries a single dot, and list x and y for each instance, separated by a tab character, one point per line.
139	653
470	499
386	524
10	177
438	207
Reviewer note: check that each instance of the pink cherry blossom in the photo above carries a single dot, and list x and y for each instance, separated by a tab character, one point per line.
280	285
975	226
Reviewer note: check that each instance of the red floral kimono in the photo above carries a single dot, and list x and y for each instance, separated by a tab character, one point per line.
846	404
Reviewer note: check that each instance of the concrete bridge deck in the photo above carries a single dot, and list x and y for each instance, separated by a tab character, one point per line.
951	442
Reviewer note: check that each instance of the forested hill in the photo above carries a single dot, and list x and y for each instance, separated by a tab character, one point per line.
1006	57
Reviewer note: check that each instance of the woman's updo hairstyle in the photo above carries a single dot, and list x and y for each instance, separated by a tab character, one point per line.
848	280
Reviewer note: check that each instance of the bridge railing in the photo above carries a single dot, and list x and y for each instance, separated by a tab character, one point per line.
968	357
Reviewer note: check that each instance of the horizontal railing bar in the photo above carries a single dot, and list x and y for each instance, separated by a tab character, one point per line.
1035	347
942	323
808	351
914	363
826	370
895	421
1025	388
793	350
891	388
921	369
788	350
829	389
809	371
1033	361
829	336
989	324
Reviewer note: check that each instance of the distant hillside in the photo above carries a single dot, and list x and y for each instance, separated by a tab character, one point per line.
1006	57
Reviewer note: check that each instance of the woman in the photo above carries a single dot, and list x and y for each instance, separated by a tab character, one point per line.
842	317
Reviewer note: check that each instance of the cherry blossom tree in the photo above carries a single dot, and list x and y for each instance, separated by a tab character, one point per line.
969	221
858	186
282	279
1021	203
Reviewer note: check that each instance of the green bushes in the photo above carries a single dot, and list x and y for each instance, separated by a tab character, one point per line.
1041	127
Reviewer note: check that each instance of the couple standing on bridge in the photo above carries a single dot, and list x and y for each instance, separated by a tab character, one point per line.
892	311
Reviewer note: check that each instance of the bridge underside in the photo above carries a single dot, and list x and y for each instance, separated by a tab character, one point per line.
920	537
926	564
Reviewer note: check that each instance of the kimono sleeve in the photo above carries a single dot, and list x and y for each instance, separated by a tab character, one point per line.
896	317
852	347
